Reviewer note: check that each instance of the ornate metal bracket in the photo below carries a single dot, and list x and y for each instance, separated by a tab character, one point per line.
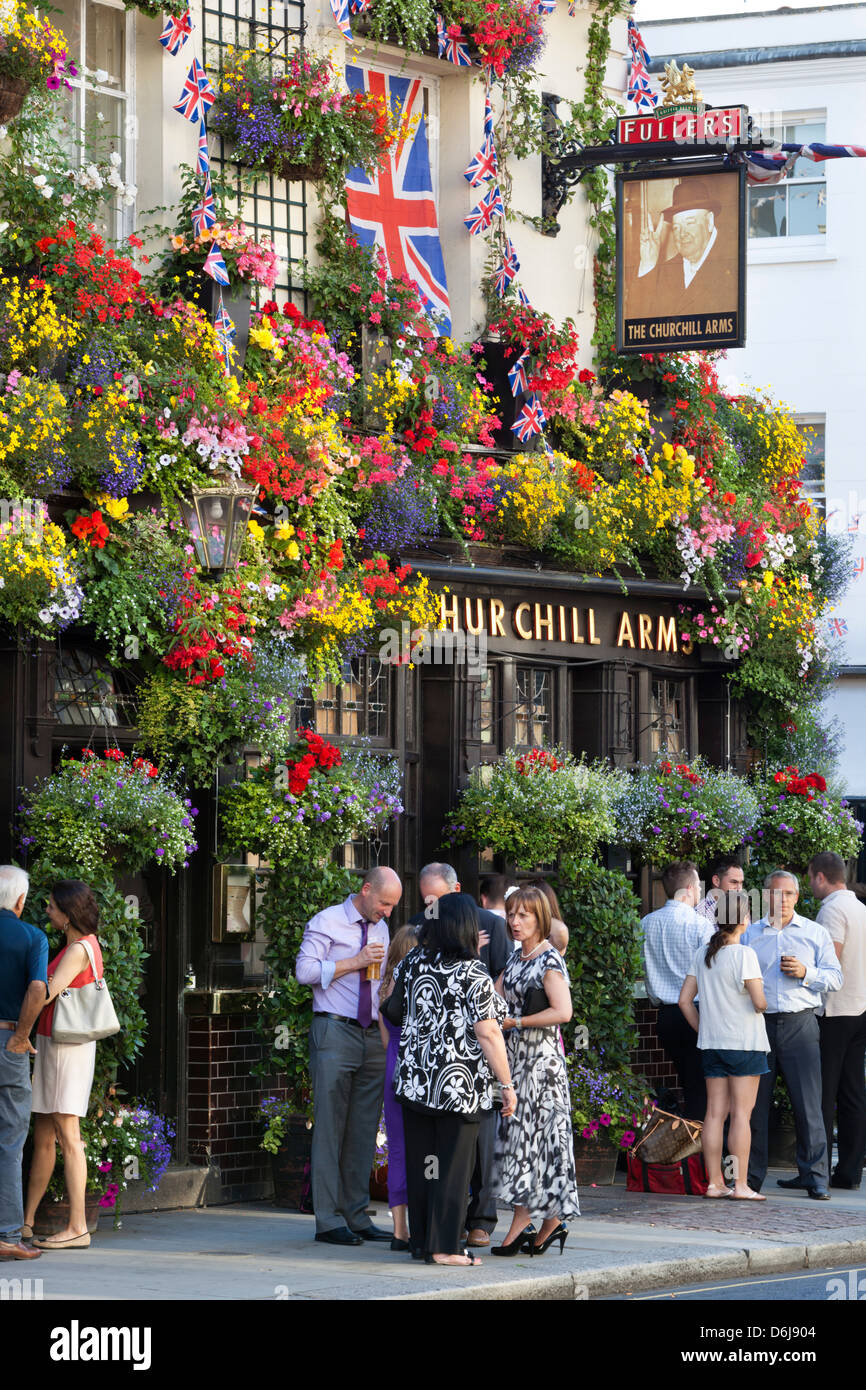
557	180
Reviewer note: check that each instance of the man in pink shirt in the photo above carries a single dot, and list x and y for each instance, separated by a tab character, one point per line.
347	1060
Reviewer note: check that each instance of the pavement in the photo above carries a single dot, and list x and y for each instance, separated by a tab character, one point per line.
623	1242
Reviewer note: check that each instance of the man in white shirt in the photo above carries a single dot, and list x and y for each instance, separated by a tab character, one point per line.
843	1027
671	937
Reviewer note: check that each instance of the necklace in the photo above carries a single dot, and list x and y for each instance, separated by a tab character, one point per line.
532	952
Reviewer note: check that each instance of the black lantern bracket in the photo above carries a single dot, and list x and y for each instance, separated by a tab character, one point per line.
563	170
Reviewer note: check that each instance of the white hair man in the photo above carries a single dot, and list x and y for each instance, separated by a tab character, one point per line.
798	965
23	991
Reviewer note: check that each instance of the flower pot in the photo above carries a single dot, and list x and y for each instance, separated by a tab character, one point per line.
52	1217
291	1166
594	1161
782	1144
13	90
379	1183
293	172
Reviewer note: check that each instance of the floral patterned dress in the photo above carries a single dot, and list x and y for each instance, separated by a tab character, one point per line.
535	1151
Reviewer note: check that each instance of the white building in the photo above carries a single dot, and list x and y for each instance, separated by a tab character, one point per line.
802	74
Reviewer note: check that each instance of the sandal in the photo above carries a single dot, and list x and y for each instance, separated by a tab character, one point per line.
714	1192
72	1243
751	1197
451	1261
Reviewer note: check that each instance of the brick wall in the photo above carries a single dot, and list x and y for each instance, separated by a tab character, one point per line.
224	1126
648	1059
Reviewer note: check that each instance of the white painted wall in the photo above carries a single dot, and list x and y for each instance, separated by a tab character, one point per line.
806	297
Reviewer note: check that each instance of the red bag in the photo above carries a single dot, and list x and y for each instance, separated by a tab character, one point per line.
687	1178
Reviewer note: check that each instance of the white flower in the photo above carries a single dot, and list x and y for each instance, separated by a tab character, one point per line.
101	76
66	199
2	582
2	132
114	179
114	158
47	191
100	117
272	591
40	181
45	615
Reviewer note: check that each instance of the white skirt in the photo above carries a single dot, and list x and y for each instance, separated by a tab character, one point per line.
62	1077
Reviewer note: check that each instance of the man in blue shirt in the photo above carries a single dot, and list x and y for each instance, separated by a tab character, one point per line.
23	991
672	937
798	964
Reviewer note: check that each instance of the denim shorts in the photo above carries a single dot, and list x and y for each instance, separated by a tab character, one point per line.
732	1062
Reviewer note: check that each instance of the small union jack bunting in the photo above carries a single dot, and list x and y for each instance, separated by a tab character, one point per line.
452	43
488	113
508	269
483	167
176	32
518	375
359	6
530	421
524	299
483	213
204	214
640	90
224	323
215	266
545	6
197	95
637	47
203	164
341	17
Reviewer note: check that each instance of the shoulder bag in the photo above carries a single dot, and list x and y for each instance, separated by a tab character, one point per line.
85	1014
668	1139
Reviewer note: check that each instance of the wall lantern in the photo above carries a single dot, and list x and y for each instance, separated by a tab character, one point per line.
216	518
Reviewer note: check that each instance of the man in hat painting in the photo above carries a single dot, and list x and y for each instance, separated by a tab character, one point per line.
685	267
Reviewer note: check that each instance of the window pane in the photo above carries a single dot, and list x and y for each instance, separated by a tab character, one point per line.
488	686
812	473
106	29
667	729
806	209
533	716
767	211
805	133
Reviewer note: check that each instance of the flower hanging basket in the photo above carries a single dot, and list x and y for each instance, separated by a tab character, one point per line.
13	90
292	172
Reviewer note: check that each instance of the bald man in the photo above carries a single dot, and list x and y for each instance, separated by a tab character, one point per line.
347	1060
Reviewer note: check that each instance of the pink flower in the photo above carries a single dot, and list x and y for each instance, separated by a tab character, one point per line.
375	318
356	289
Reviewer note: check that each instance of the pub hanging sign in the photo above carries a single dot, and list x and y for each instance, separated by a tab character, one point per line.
681	227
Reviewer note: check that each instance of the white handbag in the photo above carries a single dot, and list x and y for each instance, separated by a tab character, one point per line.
85	1014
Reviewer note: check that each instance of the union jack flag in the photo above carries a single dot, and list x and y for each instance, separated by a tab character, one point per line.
838	626
488	113
572	8
359	6
637	47
854	525
215	266
204	214
508	269
203	164
771	166
483	213
545	6
176	32
197	95
224	323
484	165
859	565
524	299
452	46
530	421
639	89
341	17
518	375
394	207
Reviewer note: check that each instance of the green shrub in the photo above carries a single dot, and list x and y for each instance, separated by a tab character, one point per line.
603	960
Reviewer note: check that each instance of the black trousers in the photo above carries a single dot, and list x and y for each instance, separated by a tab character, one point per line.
795	1051
843	1091
680	1042
440	1155
482	1214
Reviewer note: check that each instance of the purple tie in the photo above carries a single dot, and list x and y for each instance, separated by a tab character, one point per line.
365	993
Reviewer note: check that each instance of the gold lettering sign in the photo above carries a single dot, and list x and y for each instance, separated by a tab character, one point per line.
666	640
546	621
575	627
593	640
518	621
497	612
645	622
448	609
625	633
478	625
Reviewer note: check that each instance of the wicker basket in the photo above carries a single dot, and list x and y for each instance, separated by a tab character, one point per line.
283	168
13	90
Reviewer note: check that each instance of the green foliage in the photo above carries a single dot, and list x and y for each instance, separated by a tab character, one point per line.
407	23
534	807
684	811
129	581
286	1013
607	1106
603	960
195	727
799	817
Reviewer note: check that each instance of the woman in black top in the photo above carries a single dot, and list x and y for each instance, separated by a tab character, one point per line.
451	1050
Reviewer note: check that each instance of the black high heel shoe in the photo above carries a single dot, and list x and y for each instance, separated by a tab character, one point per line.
520	1242
559	1234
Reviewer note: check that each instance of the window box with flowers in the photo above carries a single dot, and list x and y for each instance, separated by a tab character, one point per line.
293	118
799	816
31	51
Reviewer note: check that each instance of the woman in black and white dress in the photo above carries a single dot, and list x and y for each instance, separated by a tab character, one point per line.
451	1050
535	1151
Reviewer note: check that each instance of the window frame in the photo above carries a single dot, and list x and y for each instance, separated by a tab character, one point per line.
787	239
818	498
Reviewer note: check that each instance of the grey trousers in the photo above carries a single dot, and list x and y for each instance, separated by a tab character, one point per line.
347	1067
795	1051
482	1214
15	1097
